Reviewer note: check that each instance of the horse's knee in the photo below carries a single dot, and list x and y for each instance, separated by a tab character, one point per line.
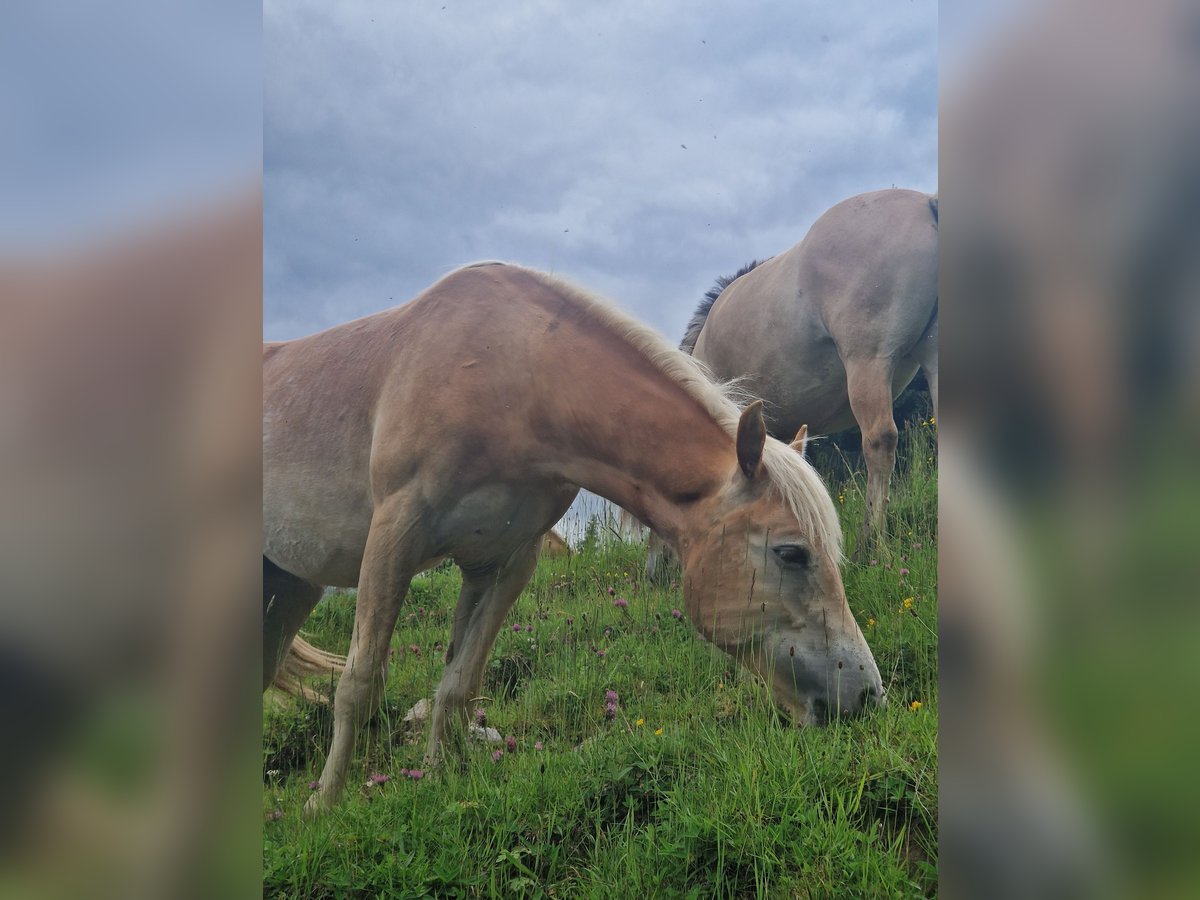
881	442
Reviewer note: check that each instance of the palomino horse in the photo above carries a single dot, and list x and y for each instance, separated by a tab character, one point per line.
462	425
830	332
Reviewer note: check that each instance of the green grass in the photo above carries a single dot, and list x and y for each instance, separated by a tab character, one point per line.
727	801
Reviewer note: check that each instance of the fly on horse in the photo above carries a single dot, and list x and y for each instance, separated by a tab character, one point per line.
830	332
462	424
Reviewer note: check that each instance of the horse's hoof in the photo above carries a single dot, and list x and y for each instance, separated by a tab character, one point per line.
315	806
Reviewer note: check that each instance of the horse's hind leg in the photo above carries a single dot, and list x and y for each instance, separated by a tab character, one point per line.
926	354
389	562
869	383
287	602
491	597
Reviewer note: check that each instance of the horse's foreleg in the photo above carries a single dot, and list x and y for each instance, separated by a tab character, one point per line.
389	562
655	563
463	674
287	603
659	560
869	383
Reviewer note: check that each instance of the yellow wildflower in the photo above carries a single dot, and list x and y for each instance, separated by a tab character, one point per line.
870	622
640	722
658	731
908	602
915	705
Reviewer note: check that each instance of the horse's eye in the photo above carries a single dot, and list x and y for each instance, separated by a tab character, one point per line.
792	554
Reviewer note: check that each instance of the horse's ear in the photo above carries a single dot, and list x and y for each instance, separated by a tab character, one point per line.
801	440
751	438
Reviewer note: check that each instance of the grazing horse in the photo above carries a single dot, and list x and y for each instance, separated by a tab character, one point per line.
462	425
830	332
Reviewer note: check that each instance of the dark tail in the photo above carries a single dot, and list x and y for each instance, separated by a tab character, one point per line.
933	208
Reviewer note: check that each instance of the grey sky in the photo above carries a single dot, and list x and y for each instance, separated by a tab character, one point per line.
640	149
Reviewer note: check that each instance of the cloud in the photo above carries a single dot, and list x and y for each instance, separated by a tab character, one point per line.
641	152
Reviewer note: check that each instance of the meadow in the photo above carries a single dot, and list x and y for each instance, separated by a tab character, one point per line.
638	760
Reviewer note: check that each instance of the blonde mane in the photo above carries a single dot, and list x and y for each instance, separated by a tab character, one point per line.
791	474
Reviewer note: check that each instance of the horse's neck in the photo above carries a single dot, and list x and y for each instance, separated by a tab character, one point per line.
637	438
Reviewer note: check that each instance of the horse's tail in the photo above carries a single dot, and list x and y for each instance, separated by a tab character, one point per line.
692	334
933	208
302	660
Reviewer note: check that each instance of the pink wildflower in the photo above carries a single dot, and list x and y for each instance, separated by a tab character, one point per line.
517	629
677	614
528	628
620	603
538	745
314	785
903	572
379	778
511	743
480	716
611	699
497	755
416	774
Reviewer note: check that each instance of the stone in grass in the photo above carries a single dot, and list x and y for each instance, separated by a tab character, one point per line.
483	735
418	717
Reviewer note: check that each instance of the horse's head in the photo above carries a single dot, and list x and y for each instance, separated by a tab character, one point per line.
762	580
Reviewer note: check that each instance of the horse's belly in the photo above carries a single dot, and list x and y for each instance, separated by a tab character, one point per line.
315	536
